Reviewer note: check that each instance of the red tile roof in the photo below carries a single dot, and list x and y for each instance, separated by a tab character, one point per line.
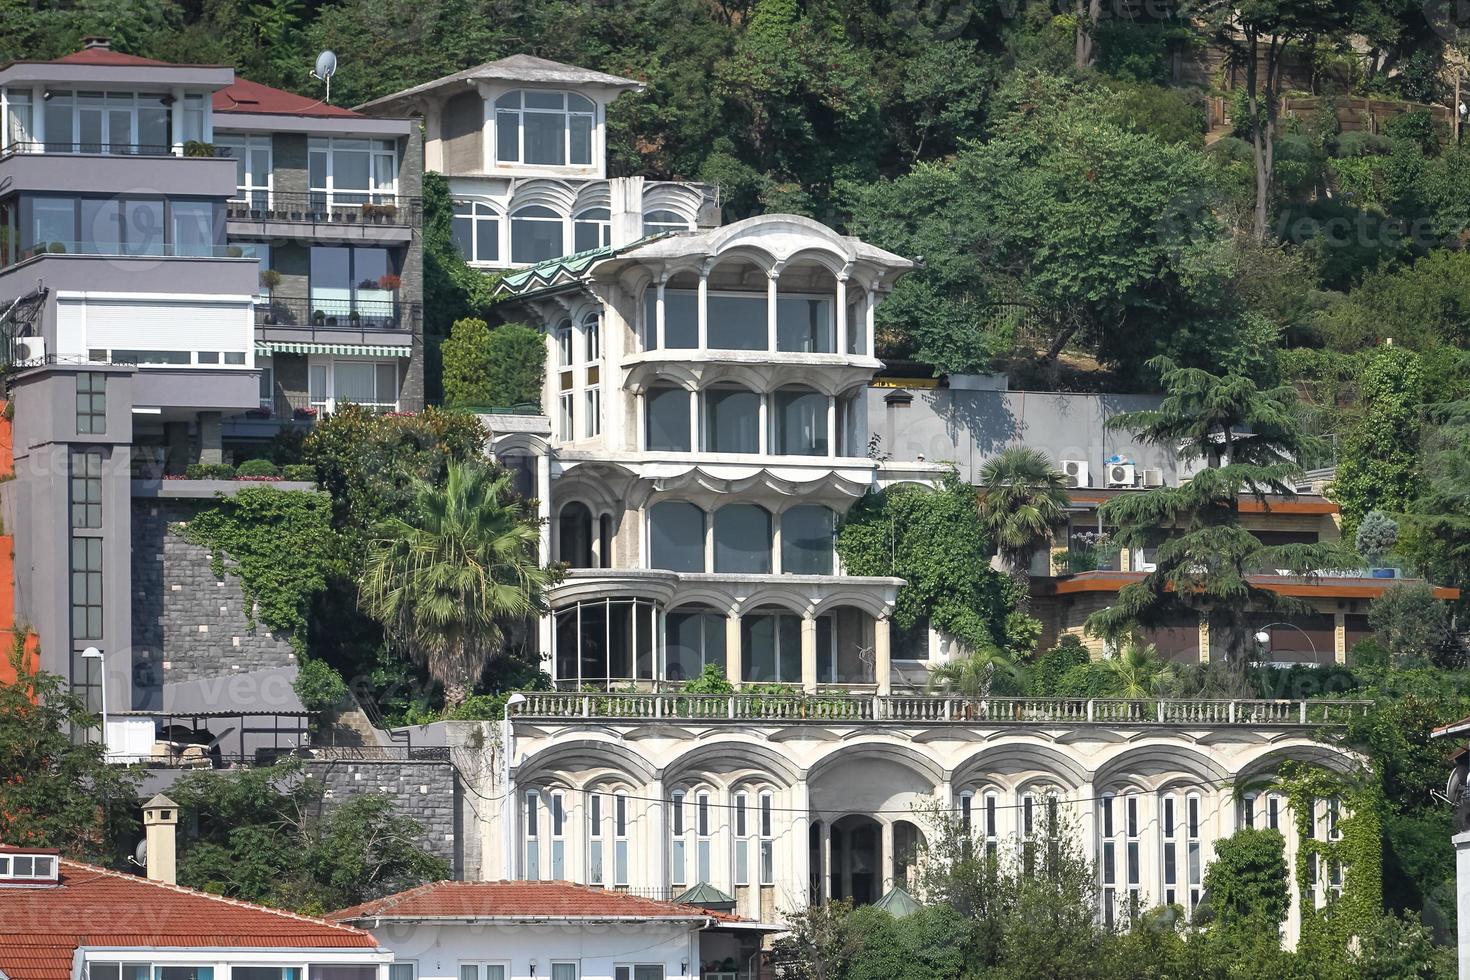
520	900
247	96
42	926
106	56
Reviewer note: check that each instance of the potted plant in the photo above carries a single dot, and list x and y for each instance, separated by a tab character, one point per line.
56	248
304	414
355	318
318	317
389	281
1376	537
198	148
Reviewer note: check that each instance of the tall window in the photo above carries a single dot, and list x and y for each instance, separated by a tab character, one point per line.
667	415
535	234
352	171
676	838
549	129
770	642
992	825
743	539
742	839
591	228
967	812
703	835
252	155
1131	851
475	229
1108	807
694	637
800	427
592	374
1028	833
676	536
371	384
352	284
1169	848
558	837
19	119
620	839
660	221
731	420
767	841
91	403
533	842
807	531
1195	857
86	588
566	382
594	839
109	122
86	489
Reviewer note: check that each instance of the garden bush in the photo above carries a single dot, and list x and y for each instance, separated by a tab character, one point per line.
210	471
257	467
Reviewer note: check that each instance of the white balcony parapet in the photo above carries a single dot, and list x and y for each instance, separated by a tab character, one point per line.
923	709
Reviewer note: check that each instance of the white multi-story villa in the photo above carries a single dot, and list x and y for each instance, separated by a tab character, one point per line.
705	425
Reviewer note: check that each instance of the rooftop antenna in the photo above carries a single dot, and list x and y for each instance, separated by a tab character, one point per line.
326	67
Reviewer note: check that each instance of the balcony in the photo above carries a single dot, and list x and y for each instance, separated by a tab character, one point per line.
925	710
318	214
122	169
338	321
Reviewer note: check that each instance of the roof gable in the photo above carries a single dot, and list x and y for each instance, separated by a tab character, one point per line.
247	96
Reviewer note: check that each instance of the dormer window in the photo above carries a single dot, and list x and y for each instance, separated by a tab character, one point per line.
550	129
27	868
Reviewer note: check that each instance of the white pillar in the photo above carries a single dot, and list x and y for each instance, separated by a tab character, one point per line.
885	852
831	425
809	653
841	315
732	649
774	275
433	135
659	314
543	506
176	118
799	896
704	309
1462	899
694	445
881	665
763	422
655	838
872	306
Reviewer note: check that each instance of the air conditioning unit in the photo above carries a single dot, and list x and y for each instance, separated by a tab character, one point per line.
30	350
1121	475
1153	478
1075	470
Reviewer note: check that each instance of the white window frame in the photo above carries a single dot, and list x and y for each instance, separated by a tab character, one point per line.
531	833
766	833
740	832
327	404
622	845
330	146
246	146
557	218
481	972
519	112
662	224
678	831
992	824
476	212
600	225
703	838
1194	850
1169	835
1107	862
596	853
557	813
629	971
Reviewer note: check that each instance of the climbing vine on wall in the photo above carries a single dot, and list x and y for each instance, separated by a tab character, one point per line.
1359	849
281	545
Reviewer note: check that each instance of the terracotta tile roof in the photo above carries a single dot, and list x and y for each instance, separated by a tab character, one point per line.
42	926
520	900
106	56
247	96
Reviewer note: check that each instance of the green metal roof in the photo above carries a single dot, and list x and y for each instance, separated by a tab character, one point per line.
897	903
265	348
706	896
553	271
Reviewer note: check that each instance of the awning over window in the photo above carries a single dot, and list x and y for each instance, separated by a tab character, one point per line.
265	348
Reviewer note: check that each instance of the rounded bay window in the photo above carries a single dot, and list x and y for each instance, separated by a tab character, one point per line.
574	535
807	531
676	536
667	415
605	641
732	420
694	638
743	539
800	425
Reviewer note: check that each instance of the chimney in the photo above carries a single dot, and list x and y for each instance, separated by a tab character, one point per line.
96	42
160	823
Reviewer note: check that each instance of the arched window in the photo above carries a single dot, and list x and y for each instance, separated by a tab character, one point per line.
678	826
574	534
770	644
591	228
544	128
476	231
659	221
592	375
801	422
536	234
694	637
806	540
666	413
743	539
741	833
676	536
731	421
605	641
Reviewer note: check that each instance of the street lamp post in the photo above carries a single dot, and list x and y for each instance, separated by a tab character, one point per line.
1263	636
92	653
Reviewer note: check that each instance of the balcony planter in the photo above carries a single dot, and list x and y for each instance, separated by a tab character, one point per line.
258	413
319	318
355	318
304	414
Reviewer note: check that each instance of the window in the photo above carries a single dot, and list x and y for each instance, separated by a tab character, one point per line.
703	833
681	318
558	838
1195	856
484	971
475	229
591	229
660	221
563	971
594	836
1028	833
620	839
533	849
294	972
103	122
372	384
800	427
352	171
967	812
743	539
653	971
86	588
592	337
992	825
261	252
767	841
353	286
192	227
807	531
1132	844
86	489
119	971
34	866
1170	849
771	646
252	155
731	421
1248	811
1107	829
267	384
694	637
118	226
592	404
742	839
736	321
535	235
19	119
544	128
188	973
193	118
676	838
396	971
676	536
667	419
574	535
804	324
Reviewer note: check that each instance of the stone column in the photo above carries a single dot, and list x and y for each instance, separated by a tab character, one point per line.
881	663
1462	899
694	422
771	280
659	312
433	135
1204	638
831	425
656	838
1339	637
704	308
809	654
732	649
800	864
885	856
841	338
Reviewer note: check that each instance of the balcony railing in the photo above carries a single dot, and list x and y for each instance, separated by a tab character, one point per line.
130	250
929	710
338	208
337	315
101	149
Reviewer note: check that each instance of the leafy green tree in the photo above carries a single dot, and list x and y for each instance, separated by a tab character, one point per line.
1436	528
1023	497
503	368
1247	881
1413	625
58	790
1138	672
269	835
1249	438
930	538
451	576
980	674
1376	537
1379	464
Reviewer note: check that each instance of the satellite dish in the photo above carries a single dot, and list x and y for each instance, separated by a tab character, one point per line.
140	853
326	67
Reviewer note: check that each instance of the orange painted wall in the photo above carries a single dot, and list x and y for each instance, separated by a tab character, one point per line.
7	574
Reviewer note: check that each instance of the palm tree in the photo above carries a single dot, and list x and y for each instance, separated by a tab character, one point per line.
986	671
1138	672
1022	497
446	582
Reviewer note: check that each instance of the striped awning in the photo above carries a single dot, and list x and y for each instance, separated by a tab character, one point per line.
265	348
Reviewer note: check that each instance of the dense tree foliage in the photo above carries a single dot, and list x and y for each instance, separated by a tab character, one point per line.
500	368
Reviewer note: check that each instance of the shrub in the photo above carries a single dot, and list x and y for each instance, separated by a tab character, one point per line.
480	707
257	467
210	471
1411	623
1052	666
498	368
303	472
1361	145
711	681
1376	536
1089	680
319	687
